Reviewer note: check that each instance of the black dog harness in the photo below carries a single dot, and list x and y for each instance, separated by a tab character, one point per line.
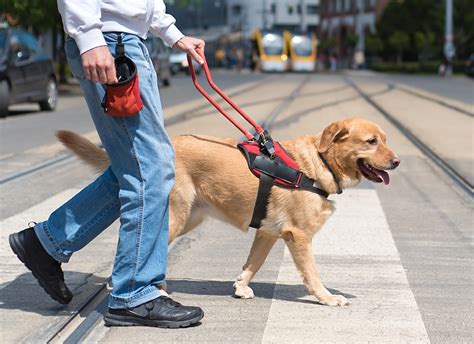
273	166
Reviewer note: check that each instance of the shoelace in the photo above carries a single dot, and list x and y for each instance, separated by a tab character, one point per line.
170	301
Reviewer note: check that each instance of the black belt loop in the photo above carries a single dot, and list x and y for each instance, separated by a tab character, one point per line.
120	50
260	209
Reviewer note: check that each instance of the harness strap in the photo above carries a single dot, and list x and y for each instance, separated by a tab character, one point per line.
260	209
309	184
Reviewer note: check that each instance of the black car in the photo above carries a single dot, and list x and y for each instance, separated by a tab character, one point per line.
26	72
160	55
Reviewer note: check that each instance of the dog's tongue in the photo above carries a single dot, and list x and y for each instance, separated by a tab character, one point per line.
383	176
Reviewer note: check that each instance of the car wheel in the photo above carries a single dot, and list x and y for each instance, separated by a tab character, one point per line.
4	98
49	104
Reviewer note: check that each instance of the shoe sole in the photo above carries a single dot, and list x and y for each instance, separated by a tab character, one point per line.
123	320
23	256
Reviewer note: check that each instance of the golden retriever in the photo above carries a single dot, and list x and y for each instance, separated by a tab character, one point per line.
212	178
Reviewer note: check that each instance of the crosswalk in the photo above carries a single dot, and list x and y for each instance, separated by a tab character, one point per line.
355	251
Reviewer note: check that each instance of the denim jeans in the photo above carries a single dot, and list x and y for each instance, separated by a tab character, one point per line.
135	187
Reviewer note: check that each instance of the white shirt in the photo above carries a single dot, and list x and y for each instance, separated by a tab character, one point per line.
85	20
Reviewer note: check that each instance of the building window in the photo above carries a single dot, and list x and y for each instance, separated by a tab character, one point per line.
273	8
312	9
236	10
290	10
298	8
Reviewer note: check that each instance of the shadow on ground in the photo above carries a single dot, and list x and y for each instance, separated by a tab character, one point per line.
265	290
25	294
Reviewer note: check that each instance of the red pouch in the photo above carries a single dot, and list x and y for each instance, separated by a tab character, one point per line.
123	98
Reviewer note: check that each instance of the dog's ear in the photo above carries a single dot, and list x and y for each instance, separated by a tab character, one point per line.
335	132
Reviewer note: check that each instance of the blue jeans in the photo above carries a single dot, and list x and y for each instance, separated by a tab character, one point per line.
135	187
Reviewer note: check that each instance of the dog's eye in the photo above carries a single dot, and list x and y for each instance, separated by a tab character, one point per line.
372	141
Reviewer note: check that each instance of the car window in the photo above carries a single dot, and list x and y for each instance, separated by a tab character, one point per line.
17	49
30	42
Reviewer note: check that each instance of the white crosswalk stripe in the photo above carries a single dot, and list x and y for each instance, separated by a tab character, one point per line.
357	257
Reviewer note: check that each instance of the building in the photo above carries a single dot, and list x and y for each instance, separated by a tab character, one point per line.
346	21
294	15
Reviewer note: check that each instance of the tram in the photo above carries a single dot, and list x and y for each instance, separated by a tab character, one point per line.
302	52
270	51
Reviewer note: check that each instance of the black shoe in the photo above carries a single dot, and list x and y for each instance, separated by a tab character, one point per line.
45	269
160	312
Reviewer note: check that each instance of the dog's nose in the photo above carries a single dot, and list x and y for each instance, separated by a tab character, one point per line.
395	162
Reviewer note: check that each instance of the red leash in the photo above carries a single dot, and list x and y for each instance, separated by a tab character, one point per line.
247	134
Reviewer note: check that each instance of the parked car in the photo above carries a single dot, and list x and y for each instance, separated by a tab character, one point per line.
160	56
26	72
179	63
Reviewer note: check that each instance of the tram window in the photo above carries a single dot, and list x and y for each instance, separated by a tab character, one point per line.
272	44
302	45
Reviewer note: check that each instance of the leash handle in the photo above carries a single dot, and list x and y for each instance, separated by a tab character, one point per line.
247	134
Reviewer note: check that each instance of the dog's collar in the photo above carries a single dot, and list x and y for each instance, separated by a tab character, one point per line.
336	179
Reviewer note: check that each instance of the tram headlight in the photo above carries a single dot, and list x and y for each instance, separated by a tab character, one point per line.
284	57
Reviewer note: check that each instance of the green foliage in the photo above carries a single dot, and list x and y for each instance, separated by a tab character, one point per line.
39	14
351	40
373	44
428	67
423	21
399	40
327	44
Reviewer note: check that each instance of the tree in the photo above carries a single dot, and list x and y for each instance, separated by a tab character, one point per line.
424	44
373	44
399	41
426	17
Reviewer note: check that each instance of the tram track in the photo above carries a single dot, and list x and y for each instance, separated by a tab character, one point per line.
449	169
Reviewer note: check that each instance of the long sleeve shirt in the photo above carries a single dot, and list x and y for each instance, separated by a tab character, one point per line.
85	20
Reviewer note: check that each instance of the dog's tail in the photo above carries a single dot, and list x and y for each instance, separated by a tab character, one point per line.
85	149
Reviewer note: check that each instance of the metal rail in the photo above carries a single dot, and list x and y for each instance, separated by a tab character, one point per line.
432	99
450	170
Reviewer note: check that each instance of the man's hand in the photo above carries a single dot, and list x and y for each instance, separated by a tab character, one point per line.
98	64
189	46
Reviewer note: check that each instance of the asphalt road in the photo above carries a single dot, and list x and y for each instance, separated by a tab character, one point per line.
403	253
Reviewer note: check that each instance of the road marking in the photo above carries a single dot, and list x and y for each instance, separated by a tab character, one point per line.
358	257
11	266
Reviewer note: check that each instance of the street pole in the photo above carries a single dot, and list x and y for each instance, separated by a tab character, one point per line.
359	56
303	26
449	49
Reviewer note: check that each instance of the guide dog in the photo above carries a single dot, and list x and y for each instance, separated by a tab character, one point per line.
212	178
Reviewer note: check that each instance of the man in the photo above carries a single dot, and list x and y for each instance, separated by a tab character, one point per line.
136	186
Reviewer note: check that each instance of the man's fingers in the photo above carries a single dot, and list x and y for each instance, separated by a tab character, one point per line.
103	78
111	75
196	56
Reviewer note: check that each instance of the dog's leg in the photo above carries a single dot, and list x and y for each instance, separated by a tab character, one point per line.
260	248
301	250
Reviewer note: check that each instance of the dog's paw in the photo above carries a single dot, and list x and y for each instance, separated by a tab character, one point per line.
335	300
243	292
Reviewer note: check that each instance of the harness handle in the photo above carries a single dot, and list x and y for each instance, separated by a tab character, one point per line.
247	134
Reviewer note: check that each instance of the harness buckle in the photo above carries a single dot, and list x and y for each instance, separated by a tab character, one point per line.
266	143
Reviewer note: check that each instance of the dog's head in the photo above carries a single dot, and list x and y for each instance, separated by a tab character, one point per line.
356	147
